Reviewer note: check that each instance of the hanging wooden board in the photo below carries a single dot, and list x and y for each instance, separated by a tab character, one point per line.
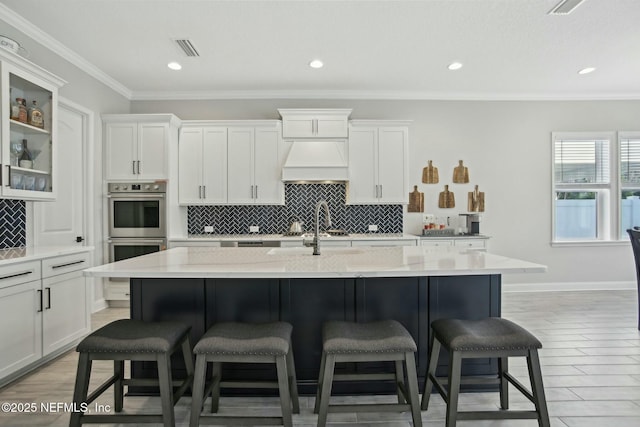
430	174
446	199
460	173
476	201
416	201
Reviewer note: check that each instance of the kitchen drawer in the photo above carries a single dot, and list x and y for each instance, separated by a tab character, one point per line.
65	264
206	243
23	272
429	242
472	243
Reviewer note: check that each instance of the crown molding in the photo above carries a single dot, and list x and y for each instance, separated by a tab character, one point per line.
30	30
374	95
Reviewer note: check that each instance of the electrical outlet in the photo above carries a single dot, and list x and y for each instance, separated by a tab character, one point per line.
208	228
373	227
254	229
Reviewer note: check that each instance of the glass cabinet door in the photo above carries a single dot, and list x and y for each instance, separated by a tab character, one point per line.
28	141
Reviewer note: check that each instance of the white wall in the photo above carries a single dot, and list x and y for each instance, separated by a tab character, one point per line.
507	147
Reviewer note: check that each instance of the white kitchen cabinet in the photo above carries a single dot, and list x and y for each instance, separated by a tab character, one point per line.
315	123
44	304
471	243
202	165
436	242
137	145
254	166
475	243
386	242
378	153
237	162
21	312
22	79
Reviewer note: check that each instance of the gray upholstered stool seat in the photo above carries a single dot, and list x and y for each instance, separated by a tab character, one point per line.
128	339
385	340
492	337
244	343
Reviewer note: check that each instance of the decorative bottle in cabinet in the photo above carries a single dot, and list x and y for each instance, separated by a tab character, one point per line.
35	116
26	160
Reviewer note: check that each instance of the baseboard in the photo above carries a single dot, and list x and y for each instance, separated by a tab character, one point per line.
568	286
98	305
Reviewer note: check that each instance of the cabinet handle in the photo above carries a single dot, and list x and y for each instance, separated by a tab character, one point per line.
24	273
204	191
138	167
133	167
199	191
380	190
48	298
9	175
252	192
67	264
377	191
256	192
40	298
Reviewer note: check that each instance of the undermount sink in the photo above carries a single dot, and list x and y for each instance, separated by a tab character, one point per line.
324	250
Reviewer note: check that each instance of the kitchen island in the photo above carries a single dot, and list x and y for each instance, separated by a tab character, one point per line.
414	285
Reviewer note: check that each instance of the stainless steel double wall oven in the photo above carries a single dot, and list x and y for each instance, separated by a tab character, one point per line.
137	219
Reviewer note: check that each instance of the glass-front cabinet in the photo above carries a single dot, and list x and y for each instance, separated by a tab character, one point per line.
28	129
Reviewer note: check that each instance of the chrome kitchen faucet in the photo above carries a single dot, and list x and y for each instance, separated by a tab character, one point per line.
327	223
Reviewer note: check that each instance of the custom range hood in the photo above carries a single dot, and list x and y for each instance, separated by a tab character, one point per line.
316	160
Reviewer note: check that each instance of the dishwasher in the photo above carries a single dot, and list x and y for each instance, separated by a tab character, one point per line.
250	243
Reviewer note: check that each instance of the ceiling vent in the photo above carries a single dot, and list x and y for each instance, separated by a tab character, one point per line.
187	47
565	7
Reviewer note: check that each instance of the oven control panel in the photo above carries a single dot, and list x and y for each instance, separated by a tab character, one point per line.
137	187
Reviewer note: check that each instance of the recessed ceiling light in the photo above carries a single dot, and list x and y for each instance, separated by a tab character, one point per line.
316	63
455	66
587	70
174	66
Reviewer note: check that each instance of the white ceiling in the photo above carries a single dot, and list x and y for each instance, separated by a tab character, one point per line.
511	49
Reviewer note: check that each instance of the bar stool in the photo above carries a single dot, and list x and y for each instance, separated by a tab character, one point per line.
385	340
491	337
128	339
245	343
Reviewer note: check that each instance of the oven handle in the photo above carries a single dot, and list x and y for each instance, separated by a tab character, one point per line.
136	196
136	240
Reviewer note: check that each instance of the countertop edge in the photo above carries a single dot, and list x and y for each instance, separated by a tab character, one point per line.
11	256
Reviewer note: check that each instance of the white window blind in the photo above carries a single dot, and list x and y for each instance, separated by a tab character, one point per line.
582	161
630	161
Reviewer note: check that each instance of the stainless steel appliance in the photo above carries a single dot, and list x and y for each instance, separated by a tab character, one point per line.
124	248
473	223
137	210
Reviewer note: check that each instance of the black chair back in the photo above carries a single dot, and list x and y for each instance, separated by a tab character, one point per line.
634	234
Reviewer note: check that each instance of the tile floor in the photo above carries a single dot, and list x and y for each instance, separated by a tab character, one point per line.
591	369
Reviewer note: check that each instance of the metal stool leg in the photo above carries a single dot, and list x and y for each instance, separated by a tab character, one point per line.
166	389
81	388
431	371
400	384
454	388
535	375
327	382
283	386
293	382
412	390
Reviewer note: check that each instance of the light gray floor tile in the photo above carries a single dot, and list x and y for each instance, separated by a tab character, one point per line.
601	421
612	393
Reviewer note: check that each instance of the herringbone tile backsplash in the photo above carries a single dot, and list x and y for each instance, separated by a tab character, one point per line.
13	220
300	201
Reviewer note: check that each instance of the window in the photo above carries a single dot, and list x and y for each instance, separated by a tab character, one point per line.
583	185
596	185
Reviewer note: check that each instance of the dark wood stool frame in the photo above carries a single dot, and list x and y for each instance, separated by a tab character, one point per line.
536	396
287	385
166	384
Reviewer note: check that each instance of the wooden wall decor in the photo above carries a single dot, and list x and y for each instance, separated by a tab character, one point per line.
476	201
430	174
416	201
460	174
446	199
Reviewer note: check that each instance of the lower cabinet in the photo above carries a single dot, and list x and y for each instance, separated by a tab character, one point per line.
45	309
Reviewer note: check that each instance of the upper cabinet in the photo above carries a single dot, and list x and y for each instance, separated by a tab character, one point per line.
378	152
315	123
28	134
235	162
137	145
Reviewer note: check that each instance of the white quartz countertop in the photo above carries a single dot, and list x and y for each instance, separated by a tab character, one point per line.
34	253
298	262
